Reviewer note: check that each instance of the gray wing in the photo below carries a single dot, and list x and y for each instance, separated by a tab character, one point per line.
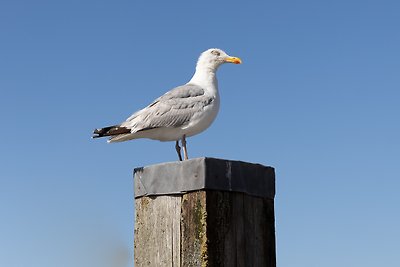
173	109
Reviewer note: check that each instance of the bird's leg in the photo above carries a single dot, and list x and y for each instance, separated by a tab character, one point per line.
178	150
185	154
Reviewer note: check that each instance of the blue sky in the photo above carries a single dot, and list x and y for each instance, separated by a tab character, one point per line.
317	98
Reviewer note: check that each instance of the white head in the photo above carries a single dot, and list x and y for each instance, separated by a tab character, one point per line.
212	58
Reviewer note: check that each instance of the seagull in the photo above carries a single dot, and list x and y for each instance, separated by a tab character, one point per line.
182	112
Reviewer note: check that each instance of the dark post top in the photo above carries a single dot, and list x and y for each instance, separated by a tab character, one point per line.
205	174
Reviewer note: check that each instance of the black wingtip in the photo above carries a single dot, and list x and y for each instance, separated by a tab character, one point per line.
110	131
97	133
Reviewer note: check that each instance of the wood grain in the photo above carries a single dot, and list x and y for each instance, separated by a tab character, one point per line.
205	228
157	231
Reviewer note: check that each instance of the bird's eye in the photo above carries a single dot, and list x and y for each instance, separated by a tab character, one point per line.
215	52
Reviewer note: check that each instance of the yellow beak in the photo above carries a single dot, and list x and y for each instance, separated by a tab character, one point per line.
234	60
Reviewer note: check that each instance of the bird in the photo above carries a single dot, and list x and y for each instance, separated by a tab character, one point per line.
182	112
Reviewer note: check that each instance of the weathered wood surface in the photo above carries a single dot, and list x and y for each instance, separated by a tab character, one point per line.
205	228
242	230
194	229
157	231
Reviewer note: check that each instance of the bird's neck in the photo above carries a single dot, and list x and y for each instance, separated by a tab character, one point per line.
206	78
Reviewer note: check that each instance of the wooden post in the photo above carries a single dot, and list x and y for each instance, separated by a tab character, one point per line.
205	212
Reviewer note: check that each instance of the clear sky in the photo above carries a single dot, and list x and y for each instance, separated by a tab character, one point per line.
317	97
